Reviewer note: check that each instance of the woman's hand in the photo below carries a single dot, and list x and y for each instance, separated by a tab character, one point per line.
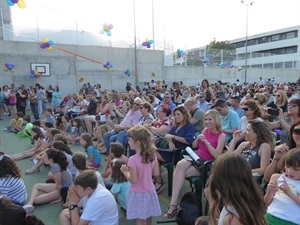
280	113
124	168
237	135
280	150
169	137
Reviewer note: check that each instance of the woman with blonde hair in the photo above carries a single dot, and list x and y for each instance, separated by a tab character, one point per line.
209	144
280	101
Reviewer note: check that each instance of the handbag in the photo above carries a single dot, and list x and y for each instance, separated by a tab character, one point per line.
162	143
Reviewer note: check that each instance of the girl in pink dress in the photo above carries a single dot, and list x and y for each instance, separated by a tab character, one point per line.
142	201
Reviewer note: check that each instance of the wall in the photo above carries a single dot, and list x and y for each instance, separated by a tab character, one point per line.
67	68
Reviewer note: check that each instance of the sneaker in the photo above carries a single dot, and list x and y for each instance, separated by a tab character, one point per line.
5	129
31	170
160	186
28	208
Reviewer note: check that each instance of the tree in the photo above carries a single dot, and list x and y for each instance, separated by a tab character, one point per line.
220	51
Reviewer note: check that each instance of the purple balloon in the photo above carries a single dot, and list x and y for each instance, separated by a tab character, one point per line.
14	1
43	46
148	46
47	44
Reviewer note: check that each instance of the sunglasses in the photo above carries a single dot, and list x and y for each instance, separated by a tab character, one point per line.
245	109
296	131
200	96
136	104
278	96
141	107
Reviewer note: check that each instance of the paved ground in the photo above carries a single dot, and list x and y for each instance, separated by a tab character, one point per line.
49	213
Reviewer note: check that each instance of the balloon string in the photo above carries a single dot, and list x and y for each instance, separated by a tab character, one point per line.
81	56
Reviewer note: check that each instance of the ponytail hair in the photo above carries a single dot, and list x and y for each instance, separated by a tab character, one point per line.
58	157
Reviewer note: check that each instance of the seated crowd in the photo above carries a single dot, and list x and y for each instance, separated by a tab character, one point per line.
251	131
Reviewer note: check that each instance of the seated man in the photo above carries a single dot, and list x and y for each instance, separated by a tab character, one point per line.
118	134
229	118
99	205
197	115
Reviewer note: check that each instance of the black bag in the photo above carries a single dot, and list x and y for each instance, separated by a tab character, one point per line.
162	143
190	209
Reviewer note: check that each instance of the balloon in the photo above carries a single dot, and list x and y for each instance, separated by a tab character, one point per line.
49	48
107	65
106	28
127	72
42	46
81	79
51	42
44	40
153	74
9	2
21	4
14	1
147	43
5	69
31	76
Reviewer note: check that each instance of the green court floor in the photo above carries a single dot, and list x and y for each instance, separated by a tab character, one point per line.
49	213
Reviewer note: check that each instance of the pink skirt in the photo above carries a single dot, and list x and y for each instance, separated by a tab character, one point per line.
142	205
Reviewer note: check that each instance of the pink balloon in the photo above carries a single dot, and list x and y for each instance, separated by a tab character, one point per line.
110	26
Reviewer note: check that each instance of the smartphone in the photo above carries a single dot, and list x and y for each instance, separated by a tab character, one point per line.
273	112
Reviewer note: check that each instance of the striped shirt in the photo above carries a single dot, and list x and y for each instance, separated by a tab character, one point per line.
13	188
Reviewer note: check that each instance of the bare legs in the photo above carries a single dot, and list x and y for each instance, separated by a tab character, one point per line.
50	194
183	169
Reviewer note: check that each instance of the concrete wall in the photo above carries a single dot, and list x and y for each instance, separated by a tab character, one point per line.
67	68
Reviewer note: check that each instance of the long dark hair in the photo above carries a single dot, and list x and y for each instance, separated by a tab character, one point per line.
39	133
232	183
58	157
62	147
8	167
88	138
292	143
116	175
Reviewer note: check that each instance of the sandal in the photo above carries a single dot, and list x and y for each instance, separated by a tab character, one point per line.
172	213
162	185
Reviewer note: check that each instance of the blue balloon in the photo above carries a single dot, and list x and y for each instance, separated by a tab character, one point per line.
31	76
101	31
9	3
51	42
108	33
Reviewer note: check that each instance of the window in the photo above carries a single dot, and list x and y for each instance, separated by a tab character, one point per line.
256	66
278	65
290	35
275	37
278	51
288	64
290	50
264	40
252	42
268	65
240	44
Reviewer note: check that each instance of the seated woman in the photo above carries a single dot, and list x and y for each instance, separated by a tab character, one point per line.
160	126
39	140
280	150
52	192
257	147
210	144
11	183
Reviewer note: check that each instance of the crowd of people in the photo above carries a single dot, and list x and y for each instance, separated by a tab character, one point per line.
252	131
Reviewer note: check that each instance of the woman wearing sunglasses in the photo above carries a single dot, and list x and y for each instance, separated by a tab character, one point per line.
284	123
276	164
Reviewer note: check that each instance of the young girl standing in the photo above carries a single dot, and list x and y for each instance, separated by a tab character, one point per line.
120	184
93	155
282	197
142	201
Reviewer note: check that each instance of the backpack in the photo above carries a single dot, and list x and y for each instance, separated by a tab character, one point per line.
190	209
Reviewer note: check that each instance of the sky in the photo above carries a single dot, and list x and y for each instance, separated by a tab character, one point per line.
177	24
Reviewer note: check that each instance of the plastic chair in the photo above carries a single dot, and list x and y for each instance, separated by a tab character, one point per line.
170	166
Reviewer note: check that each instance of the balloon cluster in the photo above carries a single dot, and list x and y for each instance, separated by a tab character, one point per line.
20	3
178	54
206	61
46	44
34	74
107	65
9	67
147	43
106	28
81	79
127	72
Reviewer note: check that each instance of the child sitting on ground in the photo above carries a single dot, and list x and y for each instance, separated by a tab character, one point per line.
120	184
16	124
282	197
93	156
116	152
78	129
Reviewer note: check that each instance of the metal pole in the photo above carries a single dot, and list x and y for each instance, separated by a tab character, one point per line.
246	57
153	25
135	49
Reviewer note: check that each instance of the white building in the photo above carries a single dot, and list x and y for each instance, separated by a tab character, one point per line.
274	49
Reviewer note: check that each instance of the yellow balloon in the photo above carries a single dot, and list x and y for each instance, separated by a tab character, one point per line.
12	70
5	69
49	48
21	4
81	79
44	40
147	39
